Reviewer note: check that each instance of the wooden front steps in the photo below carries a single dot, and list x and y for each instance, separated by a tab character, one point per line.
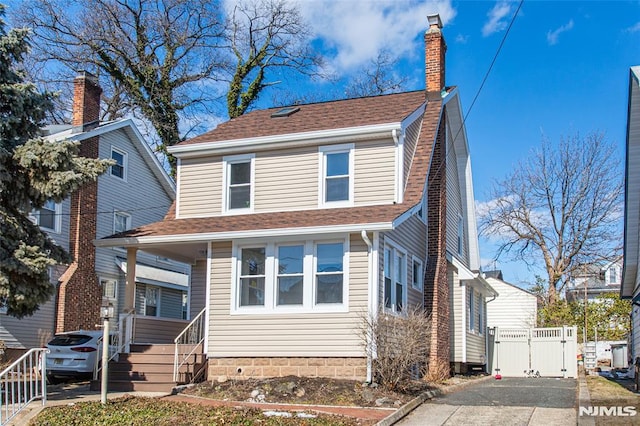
149	368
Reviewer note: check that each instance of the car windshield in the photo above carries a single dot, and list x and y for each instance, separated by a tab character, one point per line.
69	340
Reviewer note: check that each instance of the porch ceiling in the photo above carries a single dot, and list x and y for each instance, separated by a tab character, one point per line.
187	252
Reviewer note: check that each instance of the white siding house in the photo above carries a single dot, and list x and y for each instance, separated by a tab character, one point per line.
514	307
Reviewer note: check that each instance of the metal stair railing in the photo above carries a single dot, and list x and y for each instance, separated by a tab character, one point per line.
188	342
23	382
120	341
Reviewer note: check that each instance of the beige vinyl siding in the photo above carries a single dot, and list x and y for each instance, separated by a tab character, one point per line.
374	181
513	308
198	287
410	236
456	310
454	203
410	142
200	187
291	335
286	180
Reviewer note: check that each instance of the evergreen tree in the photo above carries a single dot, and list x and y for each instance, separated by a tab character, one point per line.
32	171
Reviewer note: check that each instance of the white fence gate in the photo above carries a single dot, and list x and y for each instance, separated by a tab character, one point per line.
549	351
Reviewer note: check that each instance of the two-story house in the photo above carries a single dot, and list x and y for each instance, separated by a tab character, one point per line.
300	220
593	280
135	191
630	288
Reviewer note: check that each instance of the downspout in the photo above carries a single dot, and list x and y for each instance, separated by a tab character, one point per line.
372	305
488	368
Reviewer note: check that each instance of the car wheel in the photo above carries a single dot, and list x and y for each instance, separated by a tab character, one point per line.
52	380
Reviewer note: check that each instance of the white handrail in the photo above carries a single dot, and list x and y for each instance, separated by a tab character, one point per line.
23	382
193	334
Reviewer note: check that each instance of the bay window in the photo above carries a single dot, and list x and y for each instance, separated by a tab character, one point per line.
291	277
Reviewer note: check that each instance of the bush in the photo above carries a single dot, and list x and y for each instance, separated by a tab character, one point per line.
398	346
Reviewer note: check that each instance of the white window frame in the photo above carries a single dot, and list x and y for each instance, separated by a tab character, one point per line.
226	179
309	304
471	309
323	151
419	283
125	162
395	250
480	313
103	281
127	217
158	298
57	218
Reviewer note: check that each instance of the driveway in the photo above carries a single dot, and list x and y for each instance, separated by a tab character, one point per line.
510	401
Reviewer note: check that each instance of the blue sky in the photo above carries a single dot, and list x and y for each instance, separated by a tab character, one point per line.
563	69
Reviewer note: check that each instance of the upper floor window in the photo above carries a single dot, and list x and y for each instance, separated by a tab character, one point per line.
121	222
417	274
395	278
119	169
292	276
48	216
336	182
239	182
613	275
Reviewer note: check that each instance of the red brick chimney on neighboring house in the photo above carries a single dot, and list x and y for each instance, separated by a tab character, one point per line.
435	49
79	293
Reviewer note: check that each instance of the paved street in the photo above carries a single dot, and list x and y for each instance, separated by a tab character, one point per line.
510	401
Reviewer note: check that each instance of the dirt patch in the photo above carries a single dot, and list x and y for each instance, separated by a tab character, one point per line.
315	391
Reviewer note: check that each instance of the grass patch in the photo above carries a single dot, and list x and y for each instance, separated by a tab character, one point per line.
611	393
150	411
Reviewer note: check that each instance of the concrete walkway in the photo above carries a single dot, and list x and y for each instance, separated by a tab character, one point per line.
510	401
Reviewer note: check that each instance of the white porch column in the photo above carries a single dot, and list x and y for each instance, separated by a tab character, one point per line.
130	288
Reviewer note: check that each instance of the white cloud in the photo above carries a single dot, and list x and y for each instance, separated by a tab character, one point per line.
634	28
552	36
355	31
497	18
461	39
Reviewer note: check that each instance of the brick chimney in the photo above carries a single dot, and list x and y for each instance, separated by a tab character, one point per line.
86	101
435	49
79	292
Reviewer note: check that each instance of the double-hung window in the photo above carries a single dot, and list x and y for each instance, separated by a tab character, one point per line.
239	182
417	274
252	276
480	313
336	175
121	222
471	309
395	278
291	277
48	216
151	301
119	169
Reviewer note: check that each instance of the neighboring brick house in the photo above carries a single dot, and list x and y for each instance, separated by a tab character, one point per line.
299	220
134	192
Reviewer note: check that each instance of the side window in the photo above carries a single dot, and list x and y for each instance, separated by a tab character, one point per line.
151	297
239	182
336	175
471	309
395	278
119	169
480	313
417	274
121	222
48	216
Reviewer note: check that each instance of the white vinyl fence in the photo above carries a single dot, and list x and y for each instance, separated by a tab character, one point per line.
551	352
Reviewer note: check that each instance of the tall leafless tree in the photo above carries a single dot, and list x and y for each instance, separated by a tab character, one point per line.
265	35
167	59
376	78
562	206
